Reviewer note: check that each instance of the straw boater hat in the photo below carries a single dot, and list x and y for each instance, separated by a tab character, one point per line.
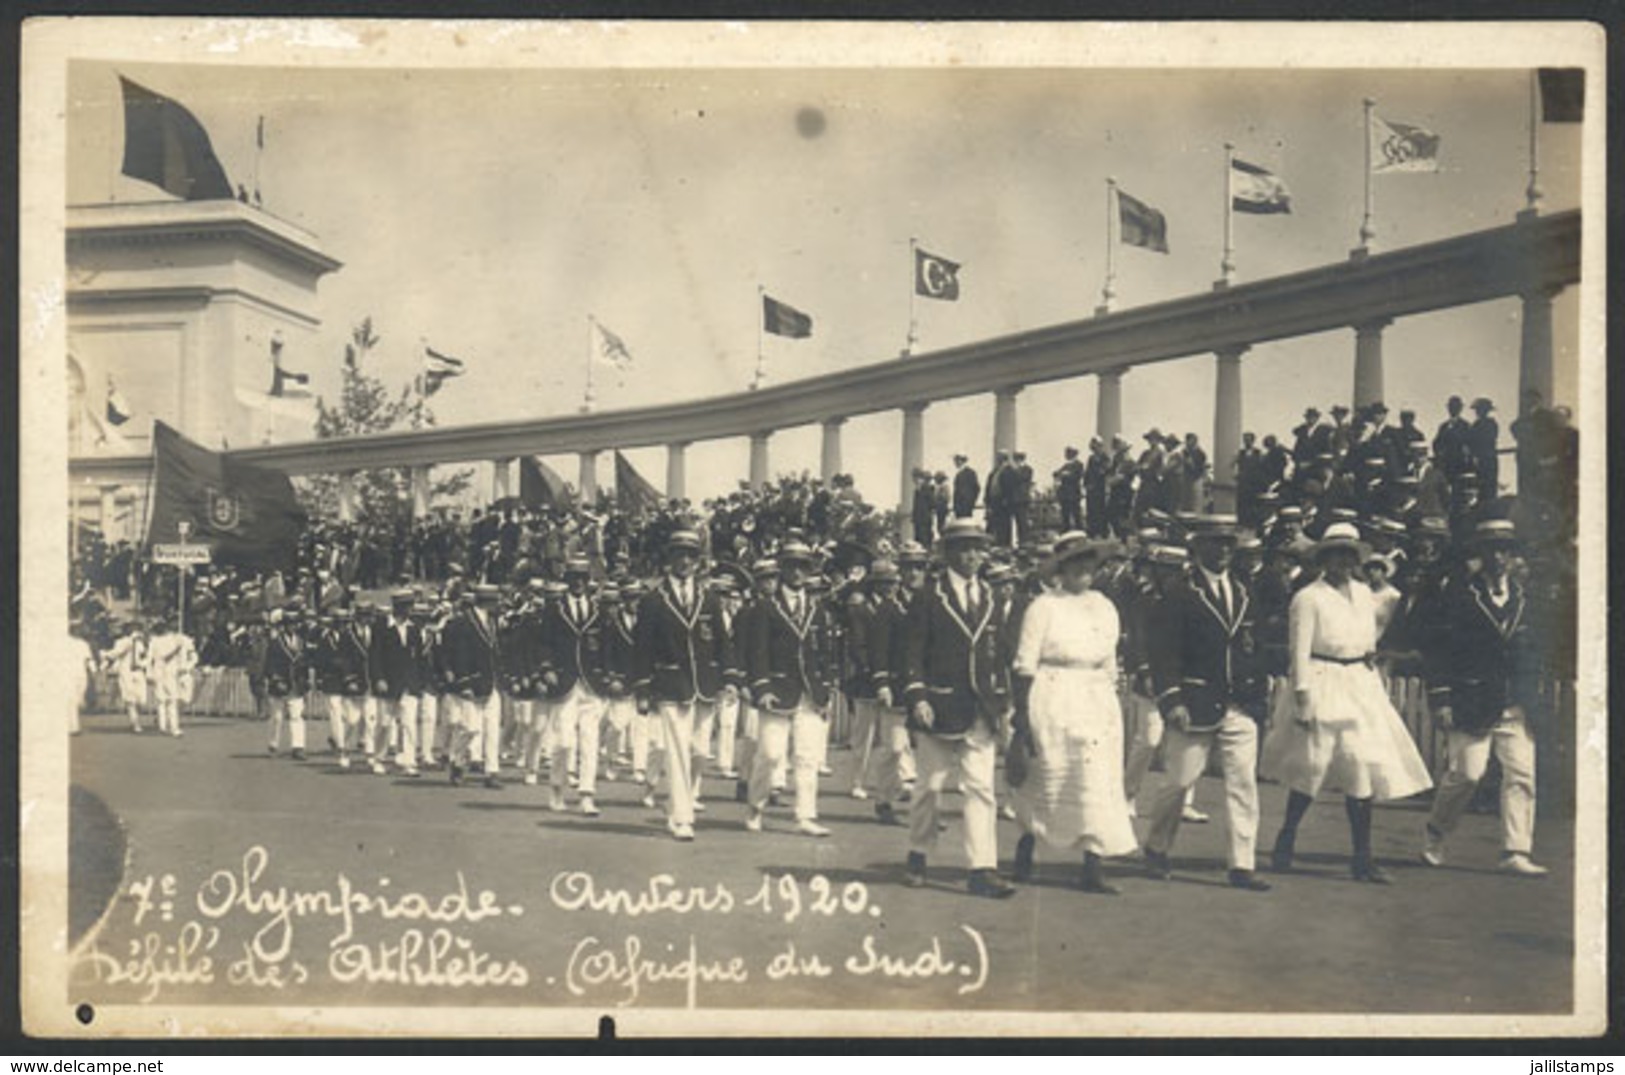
1340	536
1494	532
1211	528
685	540
577	565
796	552
912	552
961	530
883	571
1076	545
483	593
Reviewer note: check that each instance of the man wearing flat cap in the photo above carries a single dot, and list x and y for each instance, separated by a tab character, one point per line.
957	693
684	661
1212	691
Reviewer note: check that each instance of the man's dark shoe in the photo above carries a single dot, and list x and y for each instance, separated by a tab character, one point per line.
1156	864
1371	873
1248	881
914	874
1281	855
456	772
887	814
493	783
989	885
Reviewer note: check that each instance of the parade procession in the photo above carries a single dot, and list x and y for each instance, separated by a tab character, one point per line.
608	587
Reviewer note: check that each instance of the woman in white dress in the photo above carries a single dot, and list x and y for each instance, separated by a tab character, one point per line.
128	662
1065	761
1338	726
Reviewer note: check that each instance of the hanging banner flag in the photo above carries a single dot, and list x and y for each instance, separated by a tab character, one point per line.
1562	94
249	515
166	146
437	369
613	349
118	411
286	384
1140	225
633	493
540	486
935	277
1402	147
782	320
1257	190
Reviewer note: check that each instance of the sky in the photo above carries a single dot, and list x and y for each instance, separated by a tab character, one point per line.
489	213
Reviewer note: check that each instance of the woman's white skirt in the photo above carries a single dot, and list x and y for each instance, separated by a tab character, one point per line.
1357	744
1073	795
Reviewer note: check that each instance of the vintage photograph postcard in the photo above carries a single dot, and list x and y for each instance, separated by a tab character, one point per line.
812	529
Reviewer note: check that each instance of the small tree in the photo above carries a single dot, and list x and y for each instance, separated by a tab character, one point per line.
366	405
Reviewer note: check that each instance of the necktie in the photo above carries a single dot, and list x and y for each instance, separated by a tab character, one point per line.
1225	605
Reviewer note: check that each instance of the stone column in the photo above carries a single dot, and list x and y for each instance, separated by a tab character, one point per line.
758	459
109	510
349	498
829	455
501	478
1535	347
1226	427
676	470
1109	405
913	454
420	491
1004	419
587	478
1368	361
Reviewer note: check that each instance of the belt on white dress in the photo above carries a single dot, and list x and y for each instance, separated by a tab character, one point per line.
1366	659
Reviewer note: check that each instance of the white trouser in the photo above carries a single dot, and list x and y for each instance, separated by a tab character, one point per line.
1468	755
727	731
619	713
292	710
648	744
891	752
806	724
362	711
1186	756
677	722
428	725
865	722
401	715
531	716
972	757
572	731
750	729
479	731
1145	735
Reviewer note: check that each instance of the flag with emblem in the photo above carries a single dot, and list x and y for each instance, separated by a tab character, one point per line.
1140	225
437	369
935	277
249	515
1257	190
782	319
1402	147
165	145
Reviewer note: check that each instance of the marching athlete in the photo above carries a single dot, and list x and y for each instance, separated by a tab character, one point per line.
287	678
473	662
127	660
394	662
572	646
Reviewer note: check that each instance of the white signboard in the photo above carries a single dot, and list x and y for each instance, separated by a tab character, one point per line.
180	554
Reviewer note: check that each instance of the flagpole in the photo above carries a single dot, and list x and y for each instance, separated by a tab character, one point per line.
1368	226
756	379
586	403
1227	263
259	149
1533	193
913	272
1106	292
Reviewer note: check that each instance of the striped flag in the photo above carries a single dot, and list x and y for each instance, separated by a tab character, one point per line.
437	369
1257	190
1140	225
1402	147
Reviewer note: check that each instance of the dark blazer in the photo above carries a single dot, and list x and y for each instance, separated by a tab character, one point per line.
394	662
955	658
520	653
1487	661
682	654
472	654
967	488
888	646
790	657
620	642
287	665
573	650
1204	660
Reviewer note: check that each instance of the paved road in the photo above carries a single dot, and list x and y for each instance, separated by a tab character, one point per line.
367	890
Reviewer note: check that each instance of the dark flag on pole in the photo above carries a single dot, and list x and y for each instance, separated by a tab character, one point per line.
437	368
633	493
540	486
1562	94
165	145
782	320
1140	225
935	277
248	514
